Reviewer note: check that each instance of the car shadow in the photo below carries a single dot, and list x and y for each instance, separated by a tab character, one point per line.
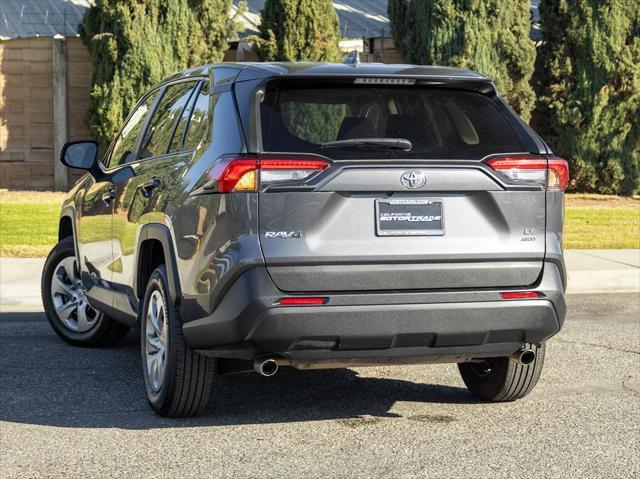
44	381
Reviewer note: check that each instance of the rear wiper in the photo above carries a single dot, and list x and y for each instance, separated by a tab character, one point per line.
383	143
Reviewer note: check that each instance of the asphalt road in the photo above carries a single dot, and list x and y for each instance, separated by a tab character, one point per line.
70	412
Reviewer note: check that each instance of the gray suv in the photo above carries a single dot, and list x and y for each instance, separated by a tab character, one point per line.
252	216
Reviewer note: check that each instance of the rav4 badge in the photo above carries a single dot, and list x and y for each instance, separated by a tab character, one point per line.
283	234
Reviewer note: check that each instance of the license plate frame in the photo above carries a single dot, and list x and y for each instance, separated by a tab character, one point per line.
394	208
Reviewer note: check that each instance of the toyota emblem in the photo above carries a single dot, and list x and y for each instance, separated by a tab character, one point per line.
413	179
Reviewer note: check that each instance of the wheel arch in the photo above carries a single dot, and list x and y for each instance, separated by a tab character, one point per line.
155	247
67	226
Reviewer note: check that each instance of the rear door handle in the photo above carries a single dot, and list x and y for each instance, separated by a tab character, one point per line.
109	195
148	186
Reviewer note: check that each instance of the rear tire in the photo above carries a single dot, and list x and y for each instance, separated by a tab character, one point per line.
66	306
178	381
502	379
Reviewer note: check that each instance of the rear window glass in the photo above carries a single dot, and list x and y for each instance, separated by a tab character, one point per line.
440	123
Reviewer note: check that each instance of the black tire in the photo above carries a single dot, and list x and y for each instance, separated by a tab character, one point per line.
104	332
186	380
502	379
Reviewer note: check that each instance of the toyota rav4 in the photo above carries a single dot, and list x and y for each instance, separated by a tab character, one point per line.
252	216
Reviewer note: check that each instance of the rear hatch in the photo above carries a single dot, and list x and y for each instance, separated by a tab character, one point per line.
381	217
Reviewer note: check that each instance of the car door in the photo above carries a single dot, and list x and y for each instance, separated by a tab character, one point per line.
94	216
152	180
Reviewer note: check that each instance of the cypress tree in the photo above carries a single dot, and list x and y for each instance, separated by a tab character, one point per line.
298	30
488	36
136	43
589	110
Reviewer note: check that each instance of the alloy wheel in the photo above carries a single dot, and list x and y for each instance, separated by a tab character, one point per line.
156	340
69	298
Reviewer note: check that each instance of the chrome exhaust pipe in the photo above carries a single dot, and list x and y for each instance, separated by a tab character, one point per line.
524	356
266	367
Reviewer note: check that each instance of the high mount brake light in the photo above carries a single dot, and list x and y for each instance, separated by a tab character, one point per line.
244	173
551	172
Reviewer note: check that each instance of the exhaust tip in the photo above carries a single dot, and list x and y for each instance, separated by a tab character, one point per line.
527	357
524	356
266	367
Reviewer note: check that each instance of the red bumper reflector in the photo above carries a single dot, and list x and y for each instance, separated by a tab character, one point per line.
519	294
302	301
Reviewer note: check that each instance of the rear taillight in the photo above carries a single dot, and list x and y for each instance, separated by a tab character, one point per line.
239	173
551	173
558	175
247	173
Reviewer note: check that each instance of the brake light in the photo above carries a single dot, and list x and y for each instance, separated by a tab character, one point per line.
302	301
519	294
245	173
551	173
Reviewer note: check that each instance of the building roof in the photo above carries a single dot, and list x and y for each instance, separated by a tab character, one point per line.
34	18
40	18
358	18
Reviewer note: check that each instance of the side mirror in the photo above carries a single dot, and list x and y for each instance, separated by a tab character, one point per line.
81	155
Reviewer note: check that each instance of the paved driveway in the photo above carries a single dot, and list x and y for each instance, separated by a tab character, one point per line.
74	412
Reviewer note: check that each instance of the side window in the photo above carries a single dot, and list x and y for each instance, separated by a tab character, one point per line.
163	123
178	134
122	150
227	132
200	122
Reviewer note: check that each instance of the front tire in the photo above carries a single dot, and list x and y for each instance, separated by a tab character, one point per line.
66	306
501	379
178	381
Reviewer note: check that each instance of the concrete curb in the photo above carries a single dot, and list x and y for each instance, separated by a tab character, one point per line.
20	284
603	271
612	281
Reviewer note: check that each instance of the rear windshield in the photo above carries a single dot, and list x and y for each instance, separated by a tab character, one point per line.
439	123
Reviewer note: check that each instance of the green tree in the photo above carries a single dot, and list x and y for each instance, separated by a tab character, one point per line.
488	36
298	30
136	43
589	111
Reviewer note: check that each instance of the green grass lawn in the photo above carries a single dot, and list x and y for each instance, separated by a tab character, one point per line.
601	222
615	228
29	222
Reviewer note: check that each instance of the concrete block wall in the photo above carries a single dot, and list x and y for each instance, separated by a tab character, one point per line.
27	112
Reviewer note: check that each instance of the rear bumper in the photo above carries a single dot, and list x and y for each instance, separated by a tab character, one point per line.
387	327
